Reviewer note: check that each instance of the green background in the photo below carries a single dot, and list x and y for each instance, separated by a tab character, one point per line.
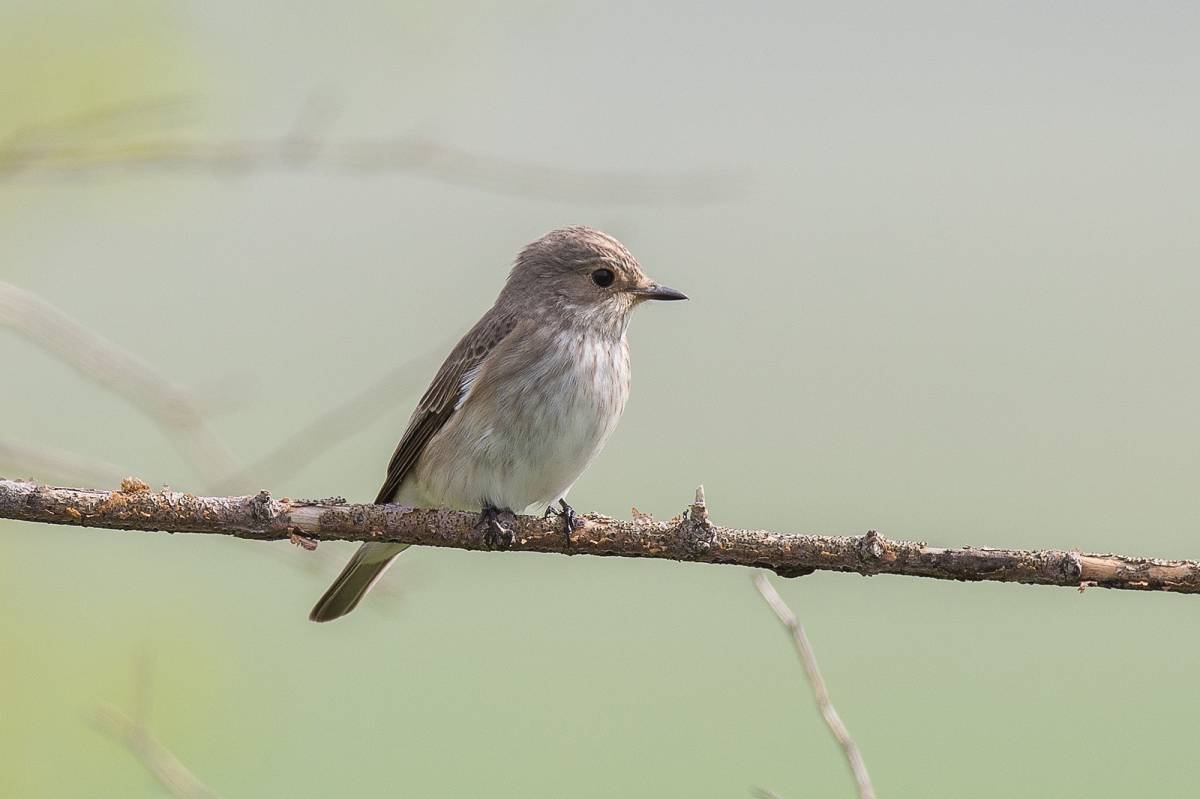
948	292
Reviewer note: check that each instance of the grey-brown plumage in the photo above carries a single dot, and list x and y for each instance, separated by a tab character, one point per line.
524	402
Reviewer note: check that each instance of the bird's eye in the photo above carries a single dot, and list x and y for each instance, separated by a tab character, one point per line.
602	278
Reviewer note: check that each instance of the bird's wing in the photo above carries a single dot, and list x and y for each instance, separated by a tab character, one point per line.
444	396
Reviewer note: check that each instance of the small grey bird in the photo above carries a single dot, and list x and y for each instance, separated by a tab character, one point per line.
523	404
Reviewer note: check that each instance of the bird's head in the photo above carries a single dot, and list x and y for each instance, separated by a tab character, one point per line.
583	275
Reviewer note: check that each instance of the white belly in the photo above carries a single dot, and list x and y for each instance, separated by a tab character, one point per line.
525	433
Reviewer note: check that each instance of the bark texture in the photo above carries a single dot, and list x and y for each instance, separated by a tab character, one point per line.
690	536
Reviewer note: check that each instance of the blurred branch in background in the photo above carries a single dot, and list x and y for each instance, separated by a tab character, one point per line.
353	414
121	372
687	537
177	411
105	120
84	142
57	465
832	720
764	793
134	734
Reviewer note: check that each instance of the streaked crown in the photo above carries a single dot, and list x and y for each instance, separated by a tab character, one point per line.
583	276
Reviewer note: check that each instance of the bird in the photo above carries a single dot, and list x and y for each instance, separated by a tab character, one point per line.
523	403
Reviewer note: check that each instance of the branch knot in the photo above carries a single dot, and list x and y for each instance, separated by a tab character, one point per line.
1071	566
872	547
695	529
262	509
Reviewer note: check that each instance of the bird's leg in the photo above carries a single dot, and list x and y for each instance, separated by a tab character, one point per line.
567	514
496	525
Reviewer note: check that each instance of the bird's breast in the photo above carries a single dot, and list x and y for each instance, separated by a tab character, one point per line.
537	414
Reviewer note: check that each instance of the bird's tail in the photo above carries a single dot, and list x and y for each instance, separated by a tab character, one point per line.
364	569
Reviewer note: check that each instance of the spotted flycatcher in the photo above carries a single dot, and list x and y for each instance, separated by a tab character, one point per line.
524	402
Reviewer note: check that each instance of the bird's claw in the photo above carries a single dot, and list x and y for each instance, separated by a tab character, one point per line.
496	526
567	514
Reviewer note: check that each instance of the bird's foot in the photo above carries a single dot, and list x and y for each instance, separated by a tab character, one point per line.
496	526
567	514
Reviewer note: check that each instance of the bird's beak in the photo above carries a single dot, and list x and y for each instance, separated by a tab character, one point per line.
658	292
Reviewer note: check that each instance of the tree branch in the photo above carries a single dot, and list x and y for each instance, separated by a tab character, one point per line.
133	732
52	464
121	372
820	693
180	414
86	142
160	761
353	413
687	537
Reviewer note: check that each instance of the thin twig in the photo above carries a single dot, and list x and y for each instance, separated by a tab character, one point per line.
688	537
352	414
134	734
832	720
59	148
95	123
764	793
157	759
177	411
59	466
121	372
